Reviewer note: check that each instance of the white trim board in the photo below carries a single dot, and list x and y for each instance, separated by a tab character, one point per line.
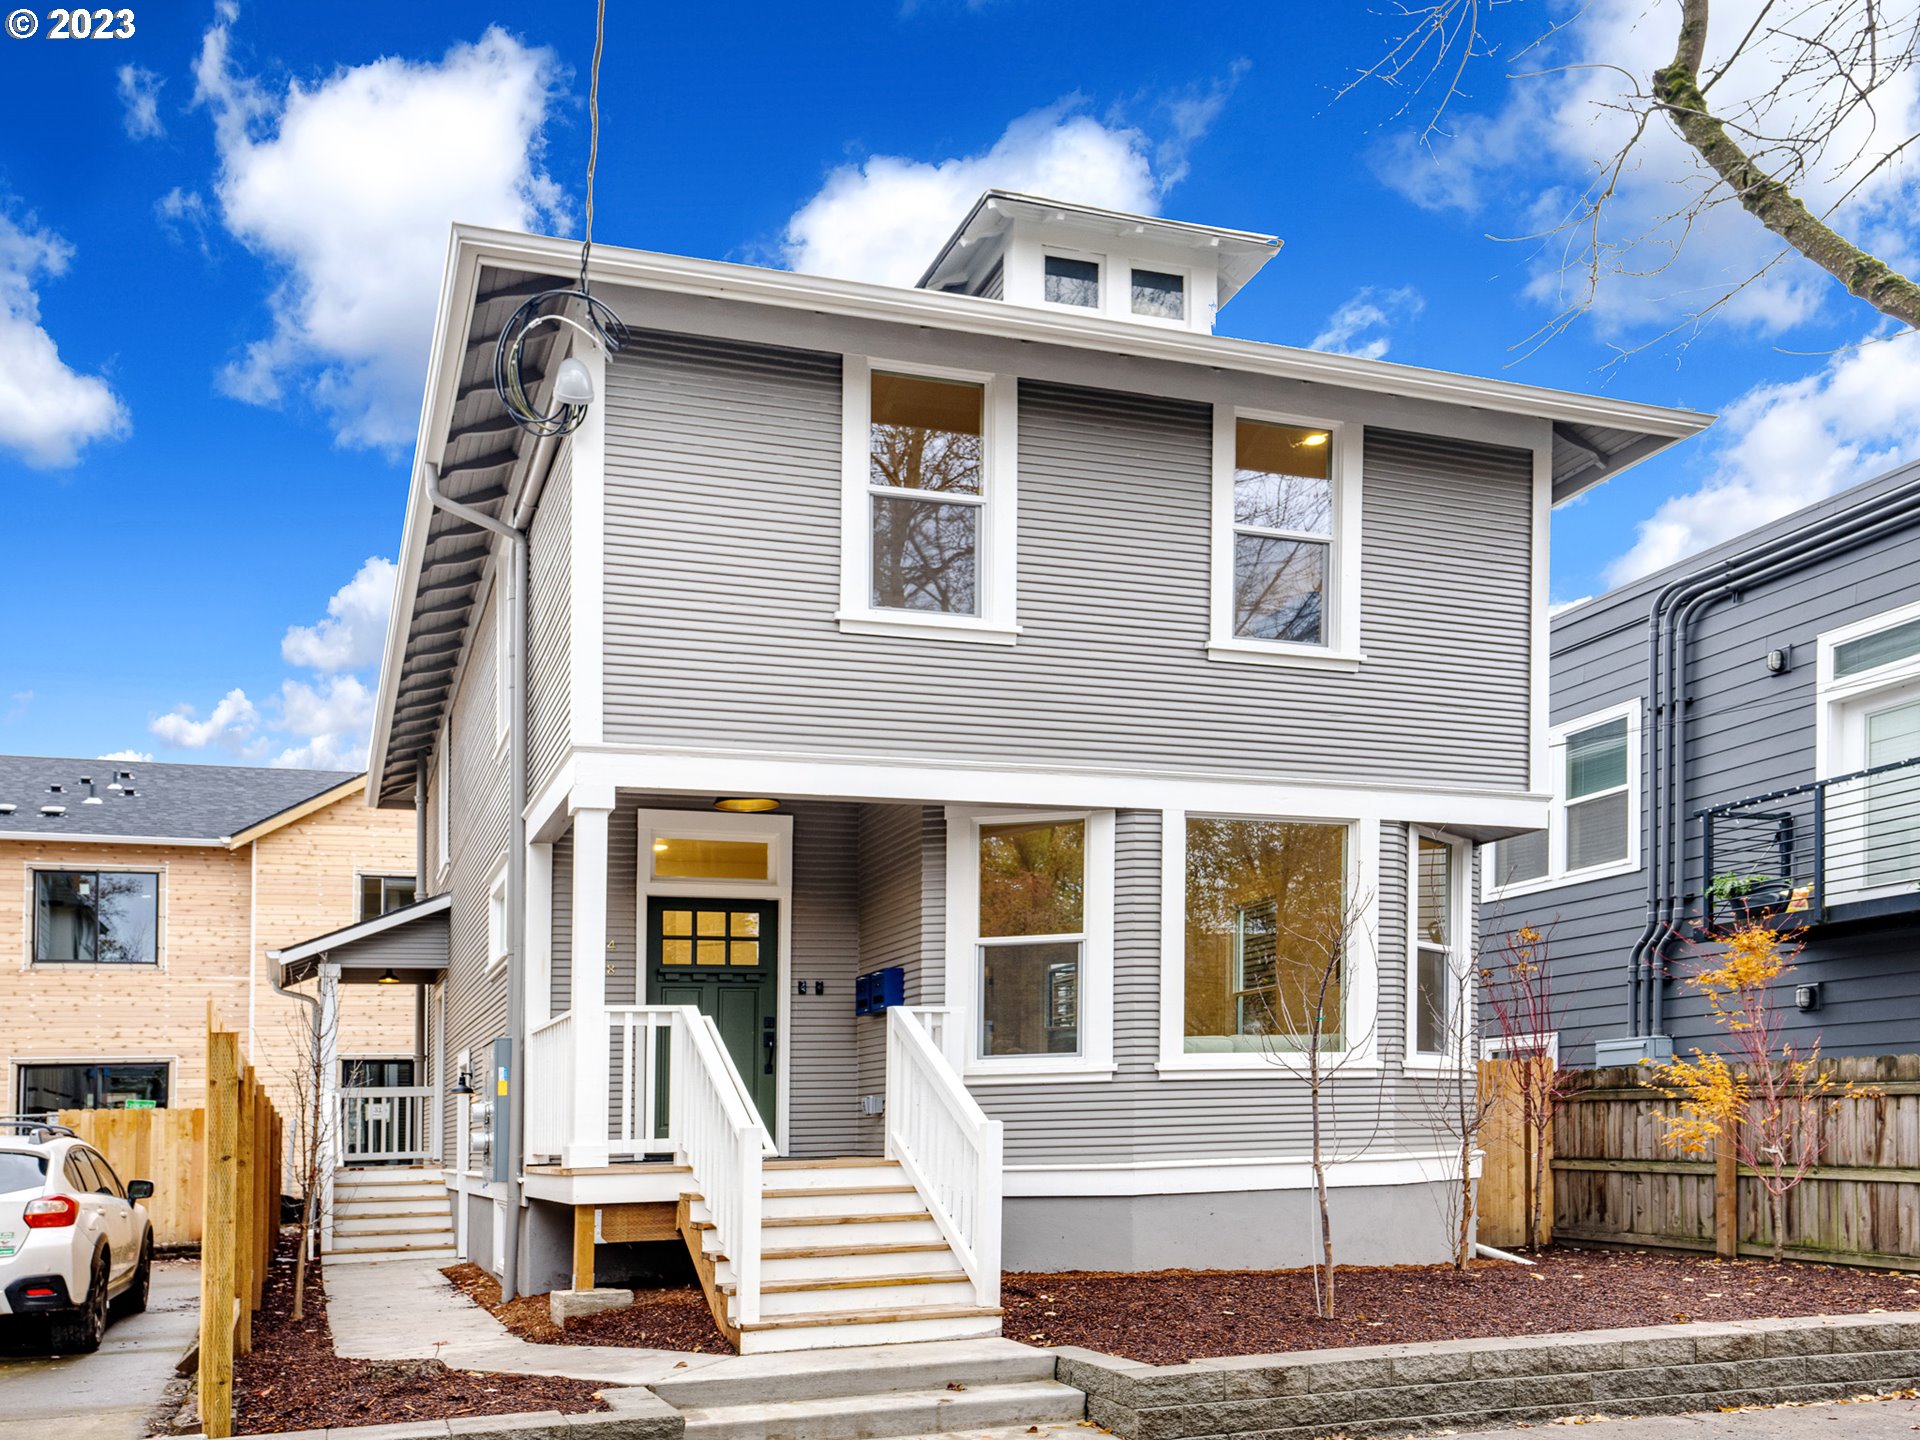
1228	1176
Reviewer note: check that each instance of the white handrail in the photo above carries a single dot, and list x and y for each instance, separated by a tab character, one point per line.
637	1124
550	1087
945	1142
717	1129
382	1123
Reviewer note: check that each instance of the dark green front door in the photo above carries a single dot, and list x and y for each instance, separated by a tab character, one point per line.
721	955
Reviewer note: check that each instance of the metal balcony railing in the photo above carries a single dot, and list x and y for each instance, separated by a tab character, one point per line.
1844	848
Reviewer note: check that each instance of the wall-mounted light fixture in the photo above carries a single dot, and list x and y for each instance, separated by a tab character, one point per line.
1807	997
1780	661
389	978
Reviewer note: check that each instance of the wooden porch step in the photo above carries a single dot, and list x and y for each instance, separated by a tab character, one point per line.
838	1162
877	1317
789	1221
810	1252
854	1282
807	1192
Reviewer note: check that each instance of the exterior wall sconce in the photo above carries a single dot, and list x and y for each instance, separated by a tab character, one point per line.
1780	661
1806	997
463	1086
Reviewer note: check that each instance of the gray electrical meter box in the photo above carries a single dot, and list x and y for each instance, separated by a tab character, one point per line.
500	1097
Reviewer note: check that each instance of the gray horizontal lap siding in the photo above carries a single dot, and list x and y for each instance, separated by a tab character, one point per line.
892	908
1749	732
549	626
560	989
717	448
417	945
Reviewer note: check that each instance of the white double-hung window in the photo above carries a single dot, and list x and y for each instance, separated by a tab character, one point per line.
928	500
1286	541
1593	825
1439	991
1030	940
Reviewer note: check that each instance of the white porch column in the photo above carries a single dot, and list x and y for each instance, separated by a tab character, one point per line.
539	934
329	1126
589	988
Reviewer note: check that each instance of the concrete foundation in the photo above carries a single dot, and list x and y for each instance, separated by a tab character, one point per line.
1232	1230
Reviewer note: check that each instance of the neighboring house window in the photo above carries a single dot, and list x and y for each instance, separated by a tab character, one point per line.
1067	280
96	917
1160	294
1869	719
87	1085
381	893
928	546
1593	823
1438	921
1030	939
376	1073
1266	935
497	922
1285	541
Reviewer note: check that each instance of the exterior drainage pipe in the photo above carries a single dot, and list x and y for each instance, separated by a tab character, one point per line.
1487	1252
1669	626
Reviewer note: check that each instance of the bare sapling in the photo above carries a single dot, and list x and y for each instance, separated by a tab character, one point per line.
1517	991
310	1150
1764	1096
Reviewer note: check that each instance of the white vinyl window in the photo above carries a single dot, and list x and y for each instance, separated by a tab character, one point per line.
927	545
497	938
1439	948
1071	280
1286	541
1159	294
1593	824
1030	940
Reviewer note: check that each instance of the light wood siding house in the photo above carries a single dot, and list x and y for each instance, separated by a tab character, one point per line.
1201	625
104	997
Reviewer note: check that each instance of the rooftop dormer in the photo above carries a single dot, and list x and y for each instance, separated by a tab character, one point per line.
1081	260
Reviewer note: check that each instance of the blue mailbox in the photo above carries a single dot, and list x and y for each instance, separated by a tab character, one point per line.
877	990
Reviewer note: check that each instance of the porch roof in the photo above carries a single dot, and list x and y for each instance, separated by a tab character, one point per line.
410	941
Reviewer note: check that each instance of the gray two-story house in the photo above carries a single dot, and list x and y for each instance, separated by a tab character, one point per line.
974	735
1735	739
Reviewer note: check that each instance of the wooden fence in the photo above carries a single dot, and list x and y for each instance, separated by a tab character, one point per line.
1510	1140
244	1142
164	1146
1617	1179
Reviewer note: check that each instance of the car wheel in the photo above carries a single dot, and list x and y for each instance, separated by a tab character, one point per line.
133	1299
82	1329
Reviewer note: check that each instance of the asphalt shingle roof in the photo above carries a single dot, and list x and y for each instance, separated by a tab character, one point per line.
175	802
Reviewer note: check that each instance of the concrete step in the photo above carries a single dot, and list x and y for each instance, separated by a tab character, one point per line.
900	1413
392	1223
403	1252
744	1380
838	1329
904	1227
831	1200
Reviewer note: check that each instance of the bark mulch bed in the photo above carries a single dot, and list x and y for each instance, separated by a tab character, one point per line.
294	1381
1170	1316
671	1317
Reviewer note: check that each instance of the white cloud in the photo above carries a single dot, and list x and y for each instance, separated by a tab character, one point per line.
231	725
348	186
355	629
134	757
1785	446
884	218
1526	163
182	213
140	94
49	412
334	720
1363	324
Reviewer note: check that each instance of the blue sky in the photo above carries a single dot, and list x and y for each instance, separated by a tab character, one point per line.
219	237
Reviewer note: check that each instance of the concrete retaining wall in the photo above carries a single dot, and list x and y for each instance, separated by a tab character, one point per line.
1469	1384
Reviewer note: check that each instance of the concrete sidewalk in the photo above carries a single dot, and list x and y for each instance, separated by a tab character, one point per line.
1867	1420
110	1394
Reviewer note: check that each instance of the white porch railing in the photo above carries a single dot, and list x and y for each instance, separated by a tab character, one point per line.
718	1132
550	1087
944	1141
637	1118
388	1123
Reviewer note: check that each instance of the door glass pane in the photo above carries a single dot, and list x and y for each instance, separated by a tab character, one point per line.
1893	799
1883	647
1520	858
746	922
712	922
1265	923
1279	588
1282	478
676	952
676	858
676	922
1072	282
1597	758
1030	999
710	952
1597	831
926	434
1157	293
1033	878
743	952
924	555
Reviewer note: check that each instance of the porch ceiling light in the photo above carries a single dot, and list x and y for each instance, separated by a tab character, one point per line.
573	383
746	804
389	978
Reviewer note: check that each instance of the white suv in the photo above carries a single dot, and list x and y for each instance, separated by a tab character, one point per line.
74	1241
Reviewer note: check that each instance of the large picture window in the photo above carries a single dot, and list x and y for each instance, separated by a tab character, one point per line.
87	1085
1266	934
1033	879
96	917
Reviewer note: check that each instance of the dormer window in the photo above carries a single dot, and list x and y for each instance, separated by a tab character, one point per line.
1160	294
1072	281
